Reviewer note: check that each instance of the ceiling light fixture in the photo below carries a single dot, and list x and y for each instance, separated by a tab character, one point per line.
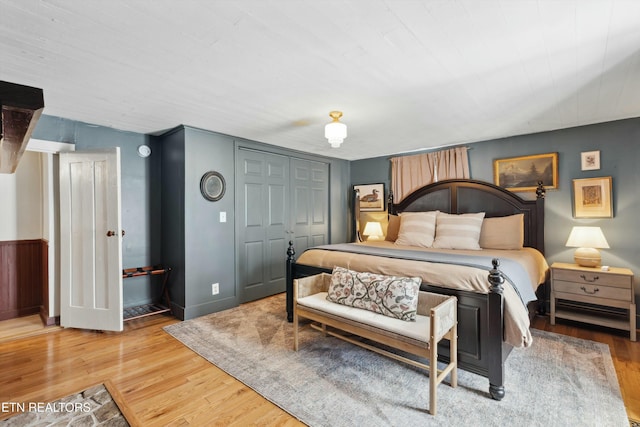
335	132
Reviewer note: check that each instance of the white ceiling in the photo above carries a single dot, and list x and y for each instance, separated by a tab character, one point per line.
407	74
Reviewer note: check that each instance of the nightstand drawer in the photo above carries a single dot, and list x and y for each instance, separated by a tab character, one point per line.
593	278
592	290
590	295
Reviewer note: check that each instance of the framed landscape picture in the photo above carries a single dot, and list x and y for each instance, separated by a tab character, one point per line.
592	198
371	197
523	173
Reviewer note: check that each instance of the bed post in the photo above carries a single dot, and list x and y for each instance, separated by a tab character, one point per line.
357	237
291	252
544	292
496	317
540	194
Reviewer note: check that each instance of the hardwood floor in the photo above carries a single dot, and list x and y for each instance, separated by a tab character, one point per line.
22	327
160	382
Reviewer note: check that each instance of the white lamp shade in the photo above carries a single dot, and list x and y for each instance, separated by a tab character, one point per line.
587	239
335	132
373	229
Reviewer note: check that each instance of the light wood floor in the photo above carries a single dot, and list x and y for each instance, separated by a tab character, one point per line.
159	382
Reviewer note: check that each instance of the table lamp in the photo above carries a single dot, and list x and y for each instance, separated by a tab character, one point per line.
373	229
587	240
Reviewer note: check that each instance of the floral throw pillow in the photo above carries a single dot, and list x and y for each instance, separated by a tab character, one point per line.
389	295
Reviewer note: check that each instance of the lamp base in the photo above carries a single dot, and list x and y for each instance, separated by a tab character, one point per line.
587	257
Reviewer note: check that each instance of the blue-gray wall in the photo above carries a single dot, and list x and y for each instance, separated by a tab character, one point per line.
619	146
168	221
194	241
140	205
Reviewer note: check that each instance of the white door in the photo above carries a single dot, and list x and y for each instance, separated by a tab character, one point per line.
90	240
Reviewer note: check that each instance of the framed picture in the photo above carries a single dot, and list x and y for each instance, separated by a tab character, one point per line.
590	160
524	173
592	198
371	197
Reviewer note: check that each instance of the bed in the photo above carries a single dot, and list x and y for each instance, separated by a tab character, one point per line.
494	303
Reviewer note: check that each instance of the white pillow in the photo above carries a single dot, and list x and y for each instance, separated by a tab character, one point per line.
417	229
458	231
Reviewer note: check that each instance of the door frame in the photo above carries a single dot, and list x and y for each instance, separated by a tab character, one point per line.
50	313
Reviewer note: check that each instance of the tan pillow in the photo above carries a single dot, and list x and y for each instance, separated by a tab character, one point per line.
417	229
458	231
505	232
392	228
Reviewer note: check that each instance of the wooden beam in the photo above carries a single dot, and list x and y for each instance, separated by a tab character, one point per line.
20	109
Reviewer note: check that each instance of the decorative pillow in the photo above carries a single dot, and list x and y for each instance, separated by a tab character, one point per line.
392	228
417	229
458	231
392	296
505	232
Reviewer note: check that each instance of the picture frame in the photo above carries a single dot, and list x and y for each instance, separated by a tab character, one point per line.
371	197
590	160
592	198
525	172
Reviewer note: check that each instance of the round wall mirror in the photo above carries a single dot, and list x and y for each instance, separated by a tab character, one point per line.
212	186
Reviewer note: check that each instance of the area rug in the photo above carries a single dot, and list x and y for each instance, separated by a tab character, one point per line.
91	407
558	381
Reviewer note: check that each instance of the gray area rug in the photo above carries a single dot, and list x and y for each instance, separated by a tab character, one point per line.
558	381
92	407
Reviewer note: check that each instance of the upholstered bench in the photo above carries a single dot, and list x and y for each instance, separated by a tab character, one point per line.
434	319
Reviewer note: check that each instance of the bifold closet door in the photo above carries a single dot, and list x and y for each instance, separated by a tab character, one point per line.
262	223
309	203
279	198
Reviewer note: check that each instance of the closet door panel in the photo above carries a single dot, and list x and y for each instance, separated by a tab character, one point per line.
310	184
263	181
280	198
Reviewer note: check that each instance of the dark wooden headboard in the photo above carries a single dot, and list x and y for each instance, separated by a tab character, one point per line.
466	196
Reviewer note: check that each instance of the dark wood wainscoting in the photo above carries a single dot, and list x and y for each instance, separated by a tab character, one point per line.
23	277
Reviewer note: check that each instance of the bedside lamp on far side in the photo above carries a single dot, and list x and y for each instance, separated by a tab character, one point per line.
373	230
587	240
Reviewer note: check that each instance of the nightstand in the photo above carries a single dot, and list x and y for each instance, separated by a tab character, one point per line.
599	289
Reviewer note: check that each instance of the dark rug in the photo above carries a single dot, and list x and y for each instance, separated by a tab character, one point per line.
92	407
558	381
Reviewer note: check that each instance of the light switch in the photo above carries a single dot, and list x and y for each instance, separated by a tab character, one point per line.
223	217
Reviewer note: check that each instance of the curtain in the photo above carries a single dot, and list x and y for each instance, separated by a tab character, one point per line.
452	164
408	173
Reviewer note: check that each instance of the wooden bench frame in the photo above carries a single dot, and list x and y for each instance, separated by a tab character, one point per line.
431	305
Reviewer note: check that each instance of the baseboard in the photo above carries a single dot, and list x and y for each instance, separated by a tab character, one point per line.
48	320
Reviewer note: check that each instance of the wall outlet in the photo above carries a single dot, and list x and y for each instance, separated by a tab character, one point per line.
215	288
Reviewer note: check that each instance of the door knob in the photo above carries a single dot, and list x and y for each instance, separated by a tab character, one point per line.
111	233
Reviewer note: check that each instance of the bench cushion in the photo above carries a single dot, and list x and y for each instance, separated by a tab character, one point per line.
417	330
392	296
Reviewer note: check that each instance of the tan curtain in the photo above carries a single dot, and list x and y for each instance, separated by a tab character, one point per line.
408	173
452	164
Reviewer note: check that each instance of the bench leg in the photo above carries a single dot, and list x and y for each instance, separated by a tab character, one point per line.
433	376
453	351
